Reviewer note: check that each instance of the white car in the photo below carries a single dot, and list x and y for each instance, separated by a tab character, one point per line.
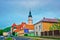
2	37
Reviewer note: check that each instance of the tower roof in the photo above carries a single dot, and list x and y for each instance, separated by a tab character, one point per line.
13	25
30	14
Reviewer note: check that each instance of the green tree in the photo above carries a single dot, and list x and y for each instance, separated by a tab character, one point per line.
58	26
1	32
7	29
13	33
51	28
55	26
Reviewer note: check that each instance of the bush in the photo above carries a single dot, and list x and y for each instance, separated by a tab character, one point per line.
25	34
13	33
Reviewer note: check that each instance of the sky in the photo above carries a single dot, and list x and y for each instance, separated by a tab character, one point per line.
17	11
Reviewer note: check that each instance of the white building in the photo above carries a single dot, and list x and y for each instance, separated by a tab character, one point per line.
38	28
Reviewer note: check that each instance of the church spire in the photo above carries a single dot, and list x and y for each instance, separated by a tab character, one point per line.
30	21
30	14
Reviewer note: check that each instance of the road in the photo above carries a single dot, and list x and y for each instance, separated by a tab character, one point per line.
21	38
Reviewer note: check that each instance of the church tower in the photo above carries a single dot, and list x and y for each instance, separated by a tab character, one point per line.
30	21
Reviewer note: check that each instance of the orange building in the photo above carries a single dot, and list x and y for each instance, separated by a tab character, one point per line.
44	25
47	23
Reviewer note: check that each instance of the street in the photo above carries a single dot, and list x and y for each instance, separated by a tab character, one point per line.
21	38
25	38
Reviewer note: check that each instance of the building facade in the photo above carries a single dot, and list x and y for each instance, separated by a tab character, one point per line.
44	25
37	29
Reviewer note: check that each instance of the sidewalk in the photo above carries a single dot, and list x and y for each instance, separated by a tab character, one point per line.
34	38
38	38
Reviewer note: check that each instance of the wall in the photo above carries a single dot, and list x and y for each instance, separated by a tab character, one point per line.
37	29
46	26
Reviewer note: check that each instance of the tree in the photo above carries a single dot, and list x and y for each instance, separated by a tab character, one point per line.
51	28
55	26
58	26
7	29
1	32
13	33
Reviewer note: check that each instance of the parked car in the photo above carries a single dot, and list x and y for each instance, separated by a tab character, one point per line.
2	37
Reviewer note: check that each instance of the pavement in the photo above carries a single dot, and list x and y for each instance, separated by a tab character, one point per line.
21	38
26	38
49	39
38	38
31	38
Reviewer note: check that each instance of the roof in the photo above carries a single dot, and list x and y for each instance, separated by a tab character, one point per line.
30	14
48	20
13	25
30	27
22	26
17	30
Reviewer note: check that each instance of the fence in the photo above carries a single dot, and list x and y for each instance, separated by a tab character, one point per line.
51	33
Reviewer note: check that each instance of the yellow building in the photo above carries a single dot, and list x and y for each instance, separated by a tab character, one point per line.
44	25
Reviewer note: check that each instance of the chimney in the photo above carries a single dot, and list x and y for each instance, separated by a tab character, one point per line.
43	17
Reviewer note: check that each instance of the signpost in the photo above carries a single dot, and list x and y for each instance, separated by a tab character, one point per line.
26	31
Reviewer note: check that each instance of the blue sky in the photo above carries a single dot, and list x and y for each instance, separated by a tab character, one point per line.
16	11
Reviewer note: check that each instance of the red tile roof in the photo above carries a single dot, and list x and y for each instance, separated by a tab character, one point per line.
13	25
30	27
19	27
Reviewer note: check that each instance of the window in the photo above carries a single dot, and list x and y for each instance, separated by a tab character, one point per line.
39	27
36	27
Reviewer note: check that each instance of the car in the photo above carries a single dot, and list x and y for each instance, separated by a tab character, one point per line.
2	37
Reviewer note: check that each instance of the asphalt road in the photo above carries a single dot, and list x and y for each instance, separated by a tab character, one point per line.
21	38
